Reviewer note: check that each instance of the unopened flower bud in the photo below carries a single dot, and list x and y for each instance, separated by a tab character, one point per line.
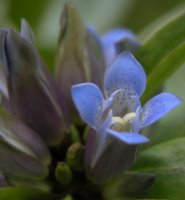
75	156
32	97
72	63
63	173
22	151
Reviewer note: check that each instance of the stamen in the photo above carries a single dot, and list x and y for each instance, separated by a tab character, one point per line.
128	118
123	124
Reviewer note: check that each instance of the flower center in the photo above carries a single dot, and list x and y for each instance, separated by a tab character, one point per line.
123	124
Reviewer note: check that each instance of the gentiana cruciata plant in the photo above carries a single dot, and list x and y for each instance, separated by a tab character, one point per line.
43	142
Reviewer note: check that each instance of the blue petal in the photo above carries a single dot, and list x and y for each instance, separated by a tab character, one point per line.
129	138
116	37
125	73
157	107
117	34
105	123
89	102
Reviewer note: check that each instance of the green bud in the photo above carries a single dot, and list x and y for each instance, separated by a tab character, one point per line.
75	156
74	134
63	173
68	197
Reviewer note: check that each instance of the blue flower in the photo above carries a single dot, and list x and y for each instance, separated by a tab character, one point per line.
117	117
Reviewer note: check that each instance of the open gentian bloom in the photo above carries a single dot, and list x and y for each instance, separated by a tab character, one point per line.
117	117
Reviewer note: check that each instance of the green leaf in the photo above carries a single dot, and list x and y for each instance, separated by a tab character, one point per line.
162	53
167	38
167	130
20	193
163	70
129	185
155	9
167	161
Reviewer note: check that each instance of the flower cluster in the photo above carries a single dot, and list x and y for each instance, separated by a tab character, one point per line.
37	109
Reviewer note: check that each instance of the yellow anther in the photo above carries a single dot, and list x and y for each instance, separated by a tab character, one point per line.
123	124
118	120
128	118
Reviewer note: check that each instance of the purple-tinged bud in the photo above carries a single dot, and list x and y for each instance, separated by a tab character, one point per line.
18	135
18	142
80	54
31	94
22	153
72	60
16	163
